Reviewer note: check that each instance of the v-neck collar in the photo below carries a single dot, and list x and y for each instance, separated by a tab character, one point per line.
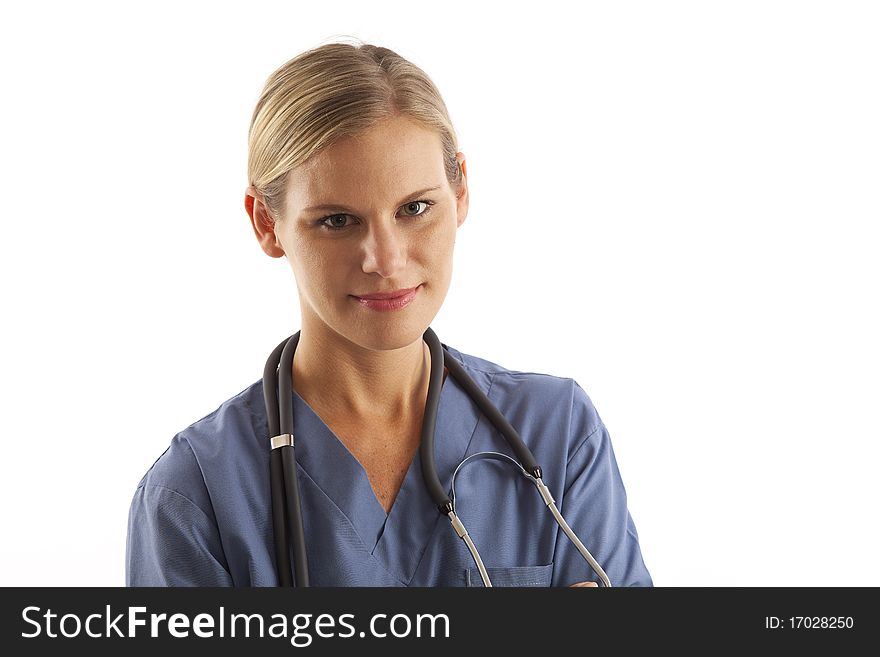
399	538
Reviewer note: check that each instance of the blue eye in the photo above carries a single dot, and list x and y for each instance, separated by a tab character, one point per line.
332	217
416	203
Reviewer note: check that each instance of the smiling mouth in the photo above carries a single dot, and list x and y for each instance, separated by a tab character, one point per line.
394	294
395	300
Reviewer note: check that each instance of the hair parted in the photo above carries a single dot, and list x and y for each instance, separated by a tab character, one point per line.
334	91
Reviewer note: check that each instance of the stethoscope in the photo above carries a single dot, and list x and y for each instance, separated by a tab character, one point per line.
286	507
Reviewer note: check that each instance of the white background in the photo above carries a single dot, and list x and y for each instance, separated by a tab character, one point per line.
674	203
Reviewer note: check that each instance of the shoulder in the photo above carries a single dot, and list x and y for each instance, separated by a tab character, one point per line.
558	400
221	435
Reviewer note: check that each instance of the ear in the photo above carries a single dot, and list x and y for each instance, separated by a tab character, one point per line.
462	198
262	223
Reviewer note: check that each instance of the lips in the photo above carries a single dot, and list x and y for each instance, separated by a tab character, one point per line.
385	301
383	296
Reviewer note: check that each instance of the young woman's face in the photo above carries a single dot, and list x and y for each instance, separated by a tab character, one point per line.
388	222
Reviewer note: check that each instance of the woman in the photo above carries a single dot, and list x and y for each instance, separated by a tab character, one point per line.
355	178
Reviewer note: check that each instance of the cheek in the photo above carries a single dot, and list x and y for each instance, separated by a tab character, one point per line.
436	254
315	271
441	237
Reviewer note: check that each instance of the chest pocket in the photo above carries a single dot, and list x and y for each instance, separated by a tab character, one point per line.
512	576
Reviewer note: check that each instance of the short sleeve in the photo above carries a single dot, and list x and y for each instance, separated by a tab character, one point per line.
594	505
172	542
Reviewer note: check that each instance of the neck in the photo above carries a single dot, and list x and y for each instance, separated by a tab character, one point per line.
340	379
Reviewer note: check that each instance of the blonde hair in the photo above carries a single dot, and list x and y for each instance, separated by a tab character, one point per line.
333	91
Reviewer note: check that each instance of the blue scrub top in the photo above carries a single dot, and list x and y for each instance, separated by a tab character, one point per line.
201	516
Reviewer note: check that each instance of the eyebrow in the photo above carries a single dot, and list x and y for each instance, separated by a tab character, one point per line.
344	208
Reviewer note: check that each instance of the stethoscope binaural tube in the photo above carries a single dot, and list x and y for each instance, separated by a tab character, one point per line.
435	381
527	463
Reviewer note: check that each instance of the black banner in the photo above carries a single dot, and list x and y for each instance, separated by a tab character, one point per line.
324	621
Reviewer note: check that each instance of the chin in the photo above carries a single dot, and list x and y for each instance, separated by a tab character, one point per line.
388	335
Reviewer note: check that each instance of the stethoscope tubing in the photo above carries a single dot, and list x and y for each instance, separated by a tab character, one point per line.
284	488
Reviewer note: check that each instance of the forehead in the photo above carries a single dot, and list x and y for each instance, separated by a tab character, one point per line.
391	158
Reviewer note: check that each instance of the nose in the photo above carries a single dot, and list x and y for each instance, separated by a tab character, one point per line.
384	249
